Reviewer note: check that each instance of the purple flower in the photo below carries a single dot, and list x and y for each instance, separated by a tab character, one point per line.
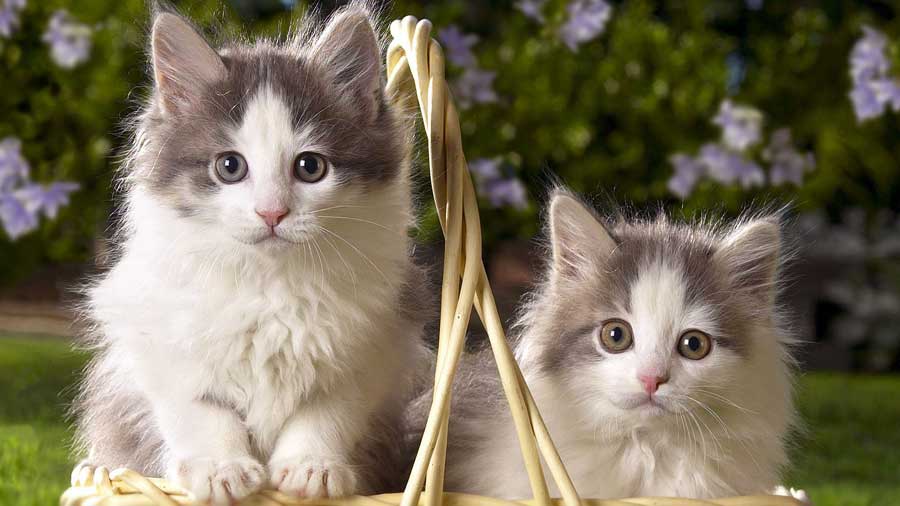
9	16
887	92
873	89
16	219
788	164
500	191
22	200
13	167
865	102
475	86
728	167
532	9
867	58
688	171
506	192
70	41
741	125
749	174
458	45
9	21
46	199
485	169
587	20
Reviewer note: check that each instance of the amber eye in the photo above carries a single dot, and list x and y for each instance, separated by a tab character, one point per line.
231	167
694	344
615	336
310	167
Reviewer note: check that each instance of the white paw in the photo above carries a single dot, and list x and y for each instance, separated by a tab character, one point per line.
312	477
218	482
798	494
83	474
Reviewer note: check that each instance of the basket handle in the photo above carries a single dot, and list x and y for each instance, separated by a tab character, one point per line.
414	55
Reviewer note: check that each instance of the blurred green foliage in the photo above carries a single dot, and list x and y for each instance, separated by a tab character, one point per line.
604	119
67	121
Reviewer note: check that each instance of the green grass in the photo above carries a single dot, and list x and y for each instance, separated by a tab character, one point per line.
849	455
36	378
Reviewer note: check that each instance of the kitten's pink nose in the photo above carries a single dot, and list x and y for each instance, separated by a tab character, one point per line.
272	217
652	382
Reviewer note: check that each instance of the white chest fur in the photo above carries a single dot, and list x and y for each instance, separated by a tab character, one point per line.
262	342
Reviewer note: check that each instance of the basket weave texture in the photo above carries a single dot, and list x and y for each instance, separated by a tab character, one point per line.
415	62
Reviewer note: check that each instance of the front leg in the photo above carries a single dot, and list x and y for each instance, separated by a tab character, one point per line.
313	453
208	451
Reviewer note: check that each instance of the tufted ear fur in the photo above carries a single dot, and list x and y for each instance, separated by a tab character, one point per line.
577	236
183	62
348	48
750	256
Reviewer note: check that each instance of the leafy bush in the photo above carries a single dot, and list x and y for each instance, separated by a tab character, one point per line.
611	115
65	113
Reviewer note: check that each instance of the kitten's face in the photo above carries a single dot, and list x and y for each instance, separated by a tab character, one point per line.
261	144
654	319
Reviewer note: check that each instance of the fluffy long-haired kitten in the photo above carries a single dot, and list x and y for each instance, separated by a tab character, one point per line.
256	328
655	353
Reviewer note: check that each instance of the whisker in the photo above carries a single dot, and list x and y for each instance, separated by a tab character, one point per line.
726	400
350	270
379	225
341	206
708	429
321	260
360	253
729	434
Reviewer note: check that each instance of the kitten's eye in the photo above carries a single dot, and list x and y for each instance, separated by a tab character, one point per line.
310	167
231	167
694	344
615	336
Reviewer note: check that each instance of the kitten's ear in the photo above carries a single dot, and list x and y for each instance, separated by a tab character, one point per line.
579	239
183	62
750	255
348	49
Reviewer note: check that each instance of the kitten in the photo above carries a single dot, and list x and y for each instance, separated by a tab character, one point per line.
259	326
655	353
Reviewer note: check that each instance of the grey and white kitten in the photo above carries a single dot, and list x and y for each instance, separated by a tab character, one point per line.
655	352
248	333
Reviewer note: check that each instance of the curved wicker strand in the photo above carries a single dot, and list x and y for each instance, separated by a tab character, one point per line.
510	376
418	47
452	227
545	444
143	485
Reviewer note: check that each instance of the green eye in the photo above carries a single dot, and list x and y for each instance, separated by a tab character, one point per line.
616	336
694	344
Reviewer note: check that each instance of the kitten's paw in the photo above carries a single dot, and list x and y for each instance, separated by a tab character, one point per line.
83	474
218	482
313	477
798	494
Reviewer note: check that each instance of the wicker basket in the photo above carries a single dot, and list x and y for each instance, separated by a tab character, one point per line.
415	61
